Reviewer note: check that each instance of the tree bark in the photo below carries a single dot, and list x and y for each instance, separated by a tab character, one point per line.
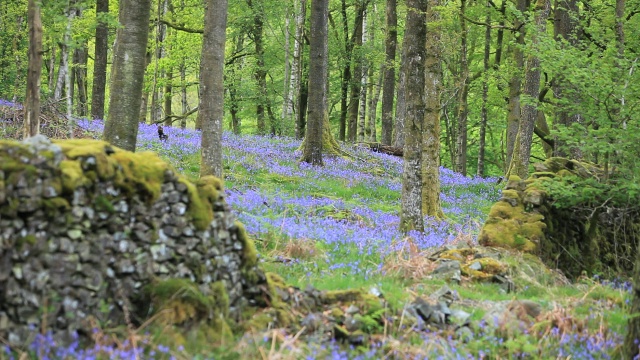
144	99
296	68
318	54
515	83
127	73
431	125
389	72
235	78
375	91
287	103
100	61
260	73
401	107
520	164
364	80
461	139
485	95
183	94
80	70
32	97
566	32
211	109
414	53
356	83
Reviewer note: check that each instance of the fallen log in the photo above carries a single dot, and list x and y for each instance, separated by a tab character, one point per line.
386	149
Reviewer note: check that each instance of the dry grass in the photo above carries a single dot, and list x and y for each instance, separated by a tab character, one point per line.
408	261
301	249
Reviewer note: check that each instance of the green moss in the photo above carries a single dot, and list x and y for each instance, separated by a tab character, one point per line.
199	209
101	203
510	194
55	206
26	240
177	301
283	311
72	176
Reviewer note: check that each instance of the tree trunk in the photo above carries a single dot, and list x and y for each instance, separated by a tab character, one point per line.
260	74
373	104
144	102
431	124
389	72
362	112
183	94
566	29
356	84
461	139
287	99
413	68
485	95
318	54
401	107
63	70
168	95
100	61
211	109
520	164
80	70
513	106
346	73
235	78
32	97
296	67
127	73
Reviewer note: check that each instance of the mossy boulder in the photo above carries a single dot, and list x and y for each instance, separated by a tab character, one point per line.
576	236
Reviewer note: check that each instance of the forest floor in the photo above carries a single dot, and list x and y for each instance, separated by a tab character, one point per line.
336	227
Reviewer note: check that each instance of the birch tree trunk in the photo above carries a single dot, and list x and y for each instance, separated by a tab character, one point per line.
63	69
364	79
211	109
127	73
413	68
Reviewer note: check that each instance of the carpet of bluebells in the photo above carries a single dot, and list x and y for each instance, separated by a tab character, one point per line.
350	207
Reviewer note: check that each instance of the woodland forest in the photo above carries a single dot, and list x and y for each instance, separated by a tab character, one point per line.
468	89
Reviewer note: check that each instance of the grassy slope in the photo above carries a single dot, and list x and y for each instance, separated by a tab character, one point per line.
335	227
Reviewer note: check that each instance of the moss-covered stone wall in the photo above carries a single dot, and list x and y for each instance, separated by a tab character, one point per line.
585	239
87	230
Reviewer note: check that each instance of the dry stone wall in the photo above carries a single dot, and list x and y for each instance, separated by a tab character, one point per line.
86	227
588	238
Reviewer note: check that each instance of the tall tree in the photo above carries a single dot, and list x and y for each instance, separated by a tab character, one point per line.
515	82
567	34
522	148
356	83
210	109
296	68
100	60
485	95
318	67
414	53
32	98
389	72
431	121
461	139
127	73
